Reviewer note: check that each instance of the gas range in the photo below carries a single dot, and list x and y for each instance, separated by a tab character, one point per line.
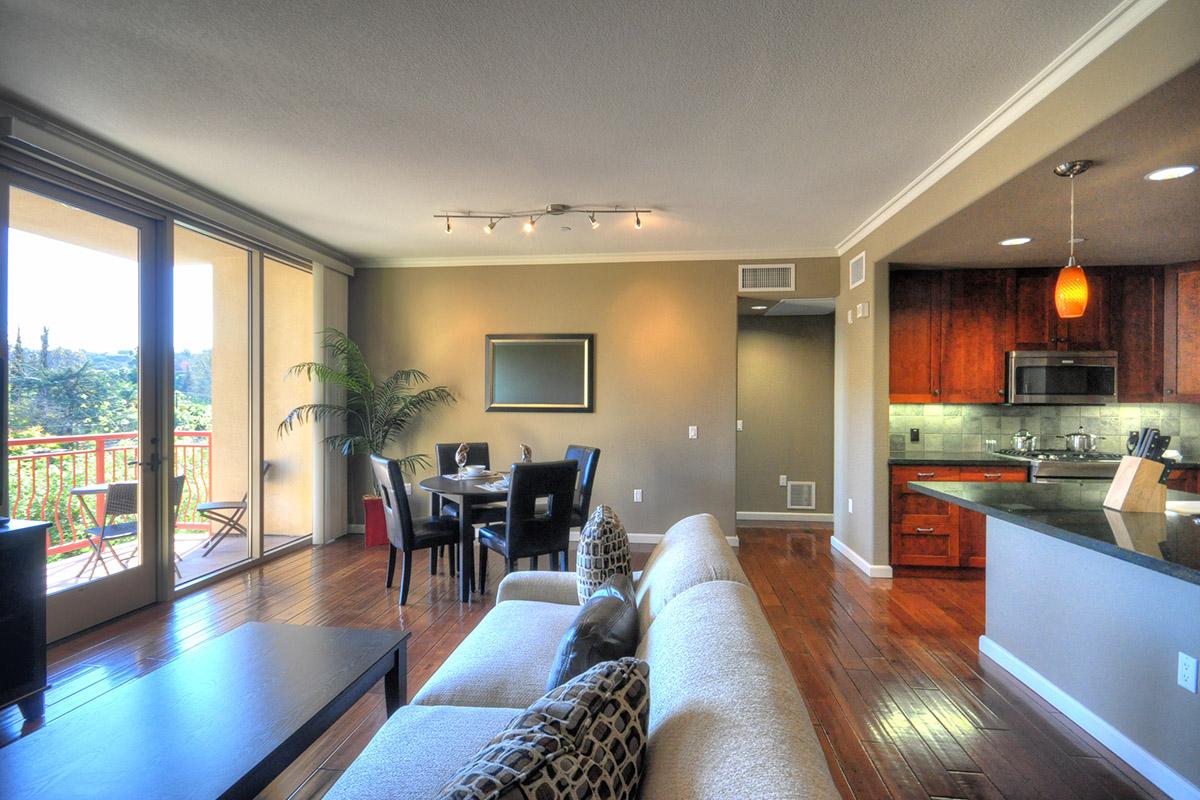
1066	463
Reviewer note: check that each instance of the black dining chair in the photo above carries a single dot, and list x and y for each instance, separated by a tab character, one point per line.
588	458
404	533
477	453
527	531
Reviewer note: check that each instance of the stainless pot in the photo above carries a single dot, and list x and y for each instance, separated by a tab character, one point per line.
1023	441
1081	441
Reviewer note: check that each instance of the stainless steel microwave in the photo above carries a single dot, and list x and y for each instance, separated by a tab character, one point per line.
1049	377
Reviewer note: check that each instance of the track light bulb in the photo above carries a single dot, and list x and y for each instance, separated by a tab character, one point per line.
595	222
529	225
491	226
637	220
448	230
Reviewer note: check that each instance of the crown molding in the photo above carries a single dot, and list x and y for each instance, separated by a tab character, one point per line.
1115	24
595	258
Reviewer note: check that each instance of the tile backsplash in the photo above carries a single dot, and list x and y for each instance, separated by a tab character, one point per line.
965	428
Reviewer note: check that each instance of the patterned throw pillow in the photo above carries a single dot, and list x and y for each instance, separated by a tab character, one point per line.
585	739
603	551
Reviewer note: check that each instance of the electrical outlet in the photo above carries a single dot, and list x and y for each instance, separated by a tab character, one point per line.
783	480
693	432
914	434
850	504
849	316
637	495
739	425
1187	672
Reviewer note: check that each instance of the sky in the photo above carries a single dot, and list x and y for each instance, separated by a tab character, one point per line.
88	298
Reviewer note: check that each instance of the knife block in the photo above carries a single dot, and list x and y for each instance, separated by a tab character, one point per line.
1136	486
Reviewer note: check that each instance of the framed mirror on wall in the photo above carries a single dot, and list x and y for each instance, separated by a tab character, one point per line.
540	372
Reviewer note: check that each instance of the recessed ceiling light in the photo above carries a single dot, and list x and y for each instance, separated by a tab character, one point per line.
1171	173
1016	240
758	308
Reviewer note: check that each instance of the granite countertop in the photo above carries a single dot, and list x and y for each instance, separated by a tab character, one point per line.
934	458
1074	512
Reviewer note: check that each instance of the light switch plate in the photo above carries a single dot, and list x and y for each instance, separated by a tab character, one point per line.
783	480
693	432
637	495
739	425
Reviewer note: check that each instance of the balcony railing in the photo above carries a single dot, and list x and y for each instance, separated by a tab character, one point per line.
43	471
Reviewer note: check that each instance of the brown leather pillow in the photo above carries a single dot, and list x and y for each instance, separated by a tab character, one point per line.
605	629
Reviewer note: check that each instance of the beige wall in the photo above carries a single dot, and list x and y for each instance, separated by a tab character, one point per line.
1155	51
287	340
665	355
785	402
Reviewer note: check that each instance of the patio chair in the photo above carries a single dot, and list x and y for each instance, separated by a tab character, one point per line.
120	500
228	514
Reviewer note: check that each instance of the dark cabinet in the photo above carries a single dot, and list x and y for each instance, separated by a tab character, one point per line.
23	615
974	333
915	340
1181	351
1135	309
1184	480
1038	326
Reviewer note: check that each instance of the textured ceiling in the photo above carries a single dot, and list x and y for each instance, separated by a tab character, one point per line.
747	126
1124	218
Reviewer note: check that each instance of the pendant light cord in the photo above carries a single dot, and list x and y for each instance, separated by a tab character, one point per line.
1072	242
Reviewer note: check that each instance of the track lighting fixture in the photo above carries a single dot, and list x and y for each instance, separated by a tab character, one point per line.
554	210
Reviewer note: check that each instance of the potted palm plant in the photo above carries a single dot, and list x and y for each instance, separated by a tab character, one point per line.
374	411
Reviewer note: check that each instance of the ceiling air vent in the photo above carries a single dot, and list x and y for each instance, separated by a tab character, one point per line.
802	494
766	277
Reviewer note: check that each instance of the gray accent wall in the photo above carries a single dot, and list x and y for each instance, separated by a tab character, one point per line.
785	401
967	428
1104	631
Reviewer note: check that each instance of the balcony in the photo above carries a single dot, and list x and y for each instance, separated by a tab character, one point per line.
60	479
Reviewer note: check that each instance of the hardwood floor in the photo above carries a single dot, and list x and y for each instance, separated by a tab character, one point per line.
902	702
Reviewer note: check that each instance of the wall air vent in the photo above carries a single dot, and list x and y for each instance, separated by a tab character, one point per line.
802	494
766	277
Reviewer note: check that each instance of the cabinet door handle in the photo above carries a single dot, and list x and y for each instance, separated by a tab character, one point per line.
924	530
926	474
991	476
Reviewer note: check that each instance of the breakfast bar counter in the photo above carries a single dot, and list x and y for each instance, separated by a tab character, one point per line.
1098	612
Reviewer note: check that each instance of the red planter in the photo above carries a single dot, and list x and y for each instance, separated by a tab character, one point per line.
376	524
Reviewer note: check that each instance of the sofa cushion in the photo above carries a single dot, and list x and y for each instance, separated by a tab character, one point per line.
417	750
504	661
693	551
603	551
605	629
726	718
584	739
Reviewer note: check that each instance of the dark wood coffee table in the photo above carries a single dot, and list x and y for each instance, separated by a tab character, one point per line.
221	720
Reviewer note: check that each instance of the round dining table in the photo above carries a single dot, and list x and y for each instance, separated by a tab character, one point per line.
467	493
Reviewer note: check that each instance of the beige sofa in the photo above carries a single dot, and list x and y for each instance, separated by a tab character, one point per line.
726	718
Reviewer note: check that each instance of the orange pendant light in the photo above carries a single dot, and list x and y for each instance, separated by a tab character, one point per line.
1071	291
1071	288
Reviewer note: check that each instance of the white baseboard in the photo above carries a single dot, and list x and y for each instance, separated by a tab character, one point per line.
1133	754
869	569
785	516
634	538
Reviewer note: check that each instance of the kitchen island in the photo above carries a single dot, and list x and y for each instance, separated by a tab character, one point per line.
1091	608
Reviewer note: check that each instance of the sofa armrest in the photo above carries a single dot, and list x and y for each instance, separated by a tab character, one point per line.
546	587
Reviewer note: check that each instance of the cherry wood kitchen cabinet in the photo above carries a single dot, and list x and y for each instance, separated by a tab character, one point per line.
932	533
1185	480
915	336
1037	325
975	331
1135	308
1181	351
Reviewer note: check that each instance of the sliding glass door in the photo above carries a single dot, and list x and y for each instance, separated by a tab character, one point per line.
81	446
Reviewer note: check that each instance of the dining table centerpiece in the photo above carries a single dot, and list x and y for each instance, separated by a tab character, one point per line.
373	411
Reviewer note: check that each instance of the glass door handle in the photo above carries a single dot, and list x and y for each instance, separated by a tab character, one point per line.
152	464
